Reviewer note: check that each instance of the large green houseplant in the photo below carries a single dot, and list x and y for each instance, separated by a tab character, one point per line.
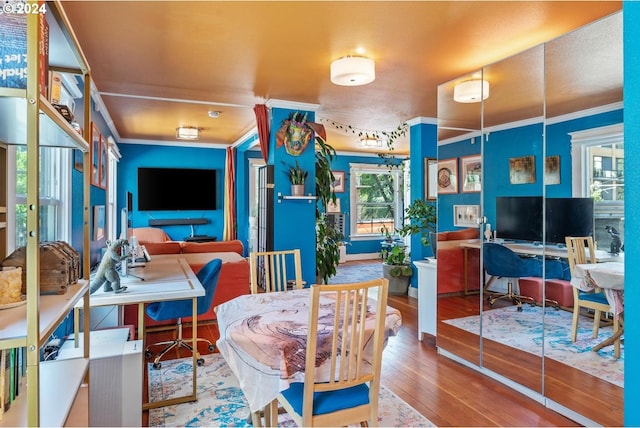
422	219
396	268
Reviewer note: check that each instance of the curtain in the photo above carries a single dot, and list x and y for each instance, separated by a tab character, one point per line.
230	229
262	119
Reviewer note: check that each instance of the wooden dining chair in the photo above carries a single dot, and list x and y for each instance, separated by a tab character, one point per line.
347	392
275	270
580	250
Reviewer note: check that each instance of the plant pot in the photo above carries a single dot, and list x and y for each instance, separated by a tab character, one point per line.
297	190
397	285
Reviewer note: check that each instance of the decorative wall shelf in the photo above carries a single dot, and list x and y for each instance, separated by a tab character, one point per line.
309	198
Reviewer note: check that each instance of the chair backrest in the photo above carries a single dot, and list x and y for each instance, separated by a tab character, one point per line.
502	261
208	277
352	339
580	250
275	270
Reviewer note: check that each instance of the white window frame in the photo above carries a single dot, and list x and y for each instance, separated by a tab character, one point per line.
398	192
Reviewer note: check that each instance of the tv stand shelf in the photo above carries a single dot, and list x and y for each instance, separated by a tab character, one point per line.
177	221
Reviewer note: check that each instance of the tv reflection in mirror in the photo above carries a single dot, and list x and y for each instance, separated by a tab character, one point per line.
176	189
519	218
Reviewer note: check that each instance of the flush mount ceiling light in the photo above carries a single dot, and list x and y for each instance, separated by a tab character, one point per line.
214	113
187	133
471	91
370	142
353	71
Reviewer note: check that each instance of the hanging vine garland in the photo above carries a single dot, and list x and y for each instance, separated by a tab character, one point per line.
389	136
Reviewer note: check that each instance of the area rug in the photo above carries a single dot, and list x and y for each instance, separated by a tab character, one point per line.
356	272
221	402
523	330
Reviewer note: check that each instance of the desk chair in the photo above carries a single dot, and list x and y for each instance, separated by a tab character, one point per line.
596	300
162	311
269	270
351	396
500	261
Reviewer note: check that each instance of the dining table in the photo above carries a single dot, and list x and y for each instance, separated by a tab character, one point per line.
263	339
609	277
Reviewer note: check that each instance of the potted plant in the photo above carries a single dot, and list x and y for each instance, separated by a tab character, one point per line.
422	217
328	241
396	267
297	177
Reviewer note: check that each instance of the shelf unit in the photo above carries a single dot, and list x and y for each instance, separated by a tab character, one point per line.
308	198
27	118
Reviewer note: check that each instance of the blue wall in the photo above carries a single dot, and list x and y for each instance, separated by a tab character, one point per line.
631	17
141	155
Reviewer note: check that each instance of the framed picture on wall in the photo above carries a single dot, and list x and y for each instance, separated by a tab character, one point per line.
95	155
338	184
447	176
430	179
98	222
522	170
104	161
552	170
78	160
466	215
471	174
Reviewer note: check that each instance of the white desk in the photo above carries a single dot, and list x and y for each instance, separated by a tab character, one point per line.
160	280
544	250
427	296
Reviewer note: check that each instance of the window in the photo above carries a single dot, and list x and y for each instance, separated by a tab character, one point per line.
54	183
598	167
376	199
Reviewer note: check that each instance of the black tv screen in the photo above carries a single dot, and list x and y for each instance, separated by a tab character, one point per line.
519	218
568	217
176	189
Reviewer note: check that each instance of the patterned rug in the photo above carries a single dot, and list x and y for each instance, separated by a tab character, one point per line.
356	272
523	330
221	402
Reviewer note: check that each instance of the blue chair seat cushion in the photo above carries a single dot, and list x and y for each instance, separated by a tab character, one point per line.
593	297
329	401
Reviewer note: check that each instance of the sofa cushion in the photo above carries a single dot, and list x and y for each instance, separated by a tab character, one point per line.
150	234
468	233
172	247
234	246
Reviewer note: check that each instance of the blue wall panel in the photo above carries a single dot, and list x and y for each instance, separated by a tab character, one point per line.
139	155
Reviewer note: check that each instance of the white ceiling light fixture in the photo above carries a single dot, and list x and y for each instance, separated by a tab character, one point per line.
214	114
187	133
370	142
471	91
353	71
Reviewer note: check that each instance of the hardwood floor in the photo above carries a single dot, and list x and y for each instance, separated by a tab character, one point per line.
444	391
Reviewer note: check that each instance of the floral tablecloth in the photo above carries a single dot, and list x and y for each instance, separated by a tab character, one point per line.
263	339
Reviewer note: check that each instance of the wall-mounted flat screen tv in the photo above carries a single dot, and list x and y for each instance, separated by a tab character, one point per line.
568	217
176	189
519	218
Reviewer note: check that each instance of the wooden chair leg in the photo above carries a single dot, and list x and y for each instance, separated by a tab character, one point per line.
596	323
574	323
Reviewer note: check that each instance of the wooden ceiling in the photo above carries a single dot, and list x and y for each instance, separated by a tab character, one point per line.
162	64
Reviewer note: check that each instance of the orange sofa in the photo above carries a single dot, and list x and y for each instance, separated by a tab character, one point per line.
451	273
233	280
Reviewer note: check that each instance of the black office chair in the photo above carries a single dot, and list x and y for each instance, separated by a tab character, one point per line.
500	261
162	311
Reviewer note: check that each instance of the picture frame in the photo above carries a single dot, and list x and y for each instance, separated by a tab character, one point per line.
338	184
447	176
95	155
78	160
466	215
98	222
431	179
522	170
552	170
104	161
333	207
471	175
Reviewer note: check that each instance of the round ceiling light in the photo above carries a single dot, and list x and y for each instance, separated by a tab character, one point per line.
353	71
471	91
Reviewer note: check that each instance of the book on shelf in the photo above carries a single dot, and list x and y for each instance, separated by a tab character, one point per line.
13	369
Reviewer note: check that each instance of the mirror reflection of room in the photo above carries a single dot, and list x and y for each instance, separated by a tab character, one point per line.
552	167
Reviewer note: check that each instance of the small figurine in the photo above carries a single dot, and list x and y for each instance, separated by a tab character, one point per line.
107	273
616	242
